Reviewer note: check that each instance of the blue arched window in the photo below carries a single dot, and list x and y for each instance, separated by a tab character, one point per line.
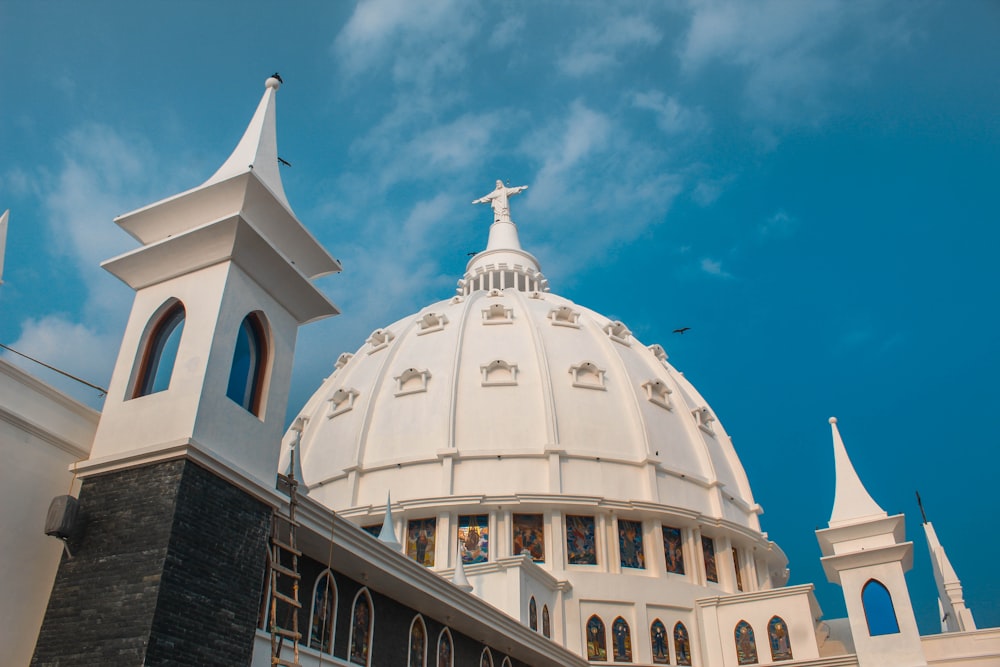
746	645
682	644
597	640
158	357
879	611
418	643
360	643
246	379
445	654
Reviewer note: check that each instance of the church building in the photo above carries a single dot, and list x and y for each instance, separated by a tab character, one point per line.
503	478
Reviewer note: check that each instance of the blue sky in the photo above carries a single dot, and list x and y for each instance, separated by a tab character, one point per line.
811	187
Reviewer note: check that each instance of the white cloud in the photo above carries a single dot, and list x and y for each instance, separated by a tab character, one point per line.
606	45
778	225
419	40
792	54
671	116
507	31
714	267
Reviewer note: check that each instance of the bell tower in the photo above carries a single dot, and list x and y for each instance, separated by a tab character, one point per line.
178	490
865	554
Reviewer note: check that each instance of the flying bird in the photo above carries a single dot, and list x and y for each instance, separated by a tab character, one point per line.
682	330
278	77
470	254
284	162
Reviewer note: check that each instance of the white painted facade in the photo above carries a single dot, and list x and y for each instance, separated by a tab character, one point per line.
43	434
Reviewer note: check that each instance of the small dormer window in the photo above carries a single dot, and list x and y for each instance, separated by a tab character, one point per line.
564	316
342	360
617	332
587	375
379	340
412	381
457	299
704	418
536	295
342	401
659	352
499	373
658	393
498	314
431	322
495	293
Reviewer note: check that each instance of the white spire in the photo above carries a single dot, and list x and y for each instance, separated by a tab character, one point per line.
459	578
258	149
388	533
955	616
3	239
852	502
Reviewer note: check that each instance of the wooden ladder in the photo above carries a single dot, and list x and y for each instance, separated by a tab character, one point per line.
284	550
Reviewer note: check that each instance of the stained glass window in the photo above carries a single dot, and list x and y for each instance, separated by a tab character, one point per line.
658	642
418	643
323	614
682	644
474	538
580	543
630	544
529	535
622	636
708	549
673	550
736	564
777	637
746	646
486	659
597	642
533	615
445	654
420	540
546	627
361	627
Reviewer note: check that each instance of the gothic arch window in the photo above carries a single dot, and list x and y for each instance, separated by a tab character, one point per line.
360	652
163	338
506	663
777	637
323	613
658	643
486	658
622	636
546	623
682	644
418	643
246	378
746	646
445	650
597	641
879	611
533	614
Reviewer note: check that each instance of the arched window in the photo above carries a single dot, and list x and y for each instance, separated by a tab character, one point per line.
486	659
445	652
879	611
682	644
533	614
418	643
546	625
597	642
746	646
623	640
777	637
246	379
323	614
361	629
156	364
506	663
658	642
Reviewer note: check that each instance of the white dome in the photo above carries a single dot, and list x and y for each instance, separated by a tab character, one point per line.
507	400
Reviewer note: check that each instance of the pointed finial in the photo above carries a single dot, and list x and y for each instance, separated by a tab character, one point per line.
851	502
923	515
388	533
3	239
459	578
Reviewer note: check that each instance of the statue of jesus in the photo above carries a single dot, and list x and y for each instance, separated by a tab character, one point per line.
498	200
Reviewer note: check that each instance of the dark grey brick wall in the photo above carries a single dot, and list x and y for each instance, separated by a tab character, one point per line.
168	571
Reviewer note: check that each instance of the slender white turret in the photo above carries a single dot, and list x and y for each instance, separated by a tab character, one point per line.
852	502
955	616
388	533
